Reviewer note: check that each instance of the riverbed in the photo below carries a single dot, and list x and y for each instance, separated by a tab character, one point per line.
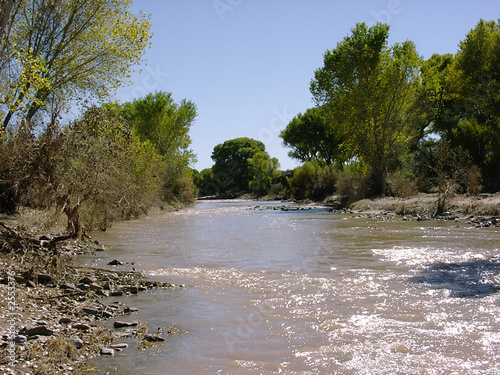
272	291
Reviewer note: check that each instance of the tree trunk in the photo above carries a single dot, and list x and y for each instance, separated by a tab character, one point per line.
74	224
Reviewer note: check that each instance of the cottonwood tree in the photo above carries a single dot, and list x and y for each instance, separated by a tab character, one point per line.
166	124
68	50
370	90
312	138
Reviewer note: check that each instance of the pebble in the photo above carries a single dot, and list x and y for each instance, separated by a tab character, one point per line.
40	330
119	324
20	339
77	342
119	346
107	351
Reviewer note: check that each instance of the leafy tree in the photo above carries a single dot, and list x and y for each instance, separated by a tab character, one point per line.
469	114
231	169
311	138
263	170
370	90
59	51
158	119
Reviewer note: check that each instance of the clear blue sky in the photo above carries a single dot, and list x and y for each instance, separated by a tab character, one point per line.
247	64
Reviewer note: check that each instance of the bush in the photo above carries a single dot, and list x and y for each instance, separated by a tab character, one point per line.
352	184
312	181
401	185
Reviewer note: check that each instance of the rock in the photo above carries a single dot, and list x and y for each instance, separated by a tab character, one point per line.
95	286
65	320
42	322
128	310
107	351
115	262
20	339
30	284
77	342
65	286
116	293
91	311
40	330
101	292
130	289
81	326
153	338
120	324
43	278
119	346
107	314
86	280
19	279
82	286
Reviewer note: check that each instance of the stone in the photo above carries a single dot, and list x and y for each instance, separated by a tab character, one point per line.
40	330
86	280
20	339
81	326
65	320
119	346
153	338
69	286
43	278
120	324
107	351
91	311
30	284
116	293
130	310
95	286
107	314
77	342
115	262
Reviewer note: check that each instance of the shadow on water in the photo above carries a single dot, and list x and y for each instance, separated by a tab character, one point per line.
470	279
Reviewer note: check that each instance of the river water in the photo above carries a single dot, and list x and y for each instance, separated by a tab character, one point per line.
309	292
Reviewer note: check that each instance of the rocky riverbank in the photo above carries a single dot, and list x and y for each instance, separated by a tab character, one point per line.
52	311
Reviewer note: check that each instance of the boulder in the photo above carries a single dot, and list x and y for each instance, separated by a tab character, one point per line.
120	324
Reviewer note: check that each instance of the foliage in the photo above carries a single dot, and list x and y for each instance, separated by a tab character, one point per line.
312	138
263	170
470	103
95	168
370	91
312	181
231	170
59	51
158	119
351	183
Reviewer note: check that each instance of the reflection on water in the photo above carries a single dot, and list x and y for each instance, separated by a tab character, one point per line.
311	293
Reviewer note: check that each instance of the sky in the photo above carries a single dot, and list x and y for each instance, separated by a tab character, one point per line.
247	64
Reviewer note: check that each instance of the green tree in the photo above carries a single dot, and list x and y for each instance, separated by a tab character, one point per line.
469	115
370	90
60	51
231	169
263	170
311	138
166	124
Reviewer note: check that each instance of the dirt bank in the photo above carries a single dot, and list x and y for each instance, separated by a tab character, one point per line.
51	310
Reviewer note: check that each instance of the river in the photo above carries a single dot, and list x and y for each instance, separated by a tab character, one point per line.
309	292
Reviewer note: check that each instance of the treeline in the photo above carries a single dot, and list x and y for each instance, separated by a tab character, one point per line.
388	122
113	161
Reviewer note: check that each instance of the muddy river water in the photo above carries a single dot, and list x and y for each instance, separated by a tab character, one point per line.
310	292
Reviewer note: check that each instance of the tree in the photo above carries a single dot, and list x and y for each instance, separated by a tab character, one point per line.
370	90
469	115
231	169
94	170
166	124
311	138
263	169
66	50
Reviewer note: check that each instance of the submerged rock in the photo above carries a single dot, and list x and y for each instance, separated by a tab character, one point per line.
120	324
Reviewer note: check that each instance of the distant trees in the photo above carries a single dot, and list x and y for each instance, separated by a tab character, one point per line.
241	165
